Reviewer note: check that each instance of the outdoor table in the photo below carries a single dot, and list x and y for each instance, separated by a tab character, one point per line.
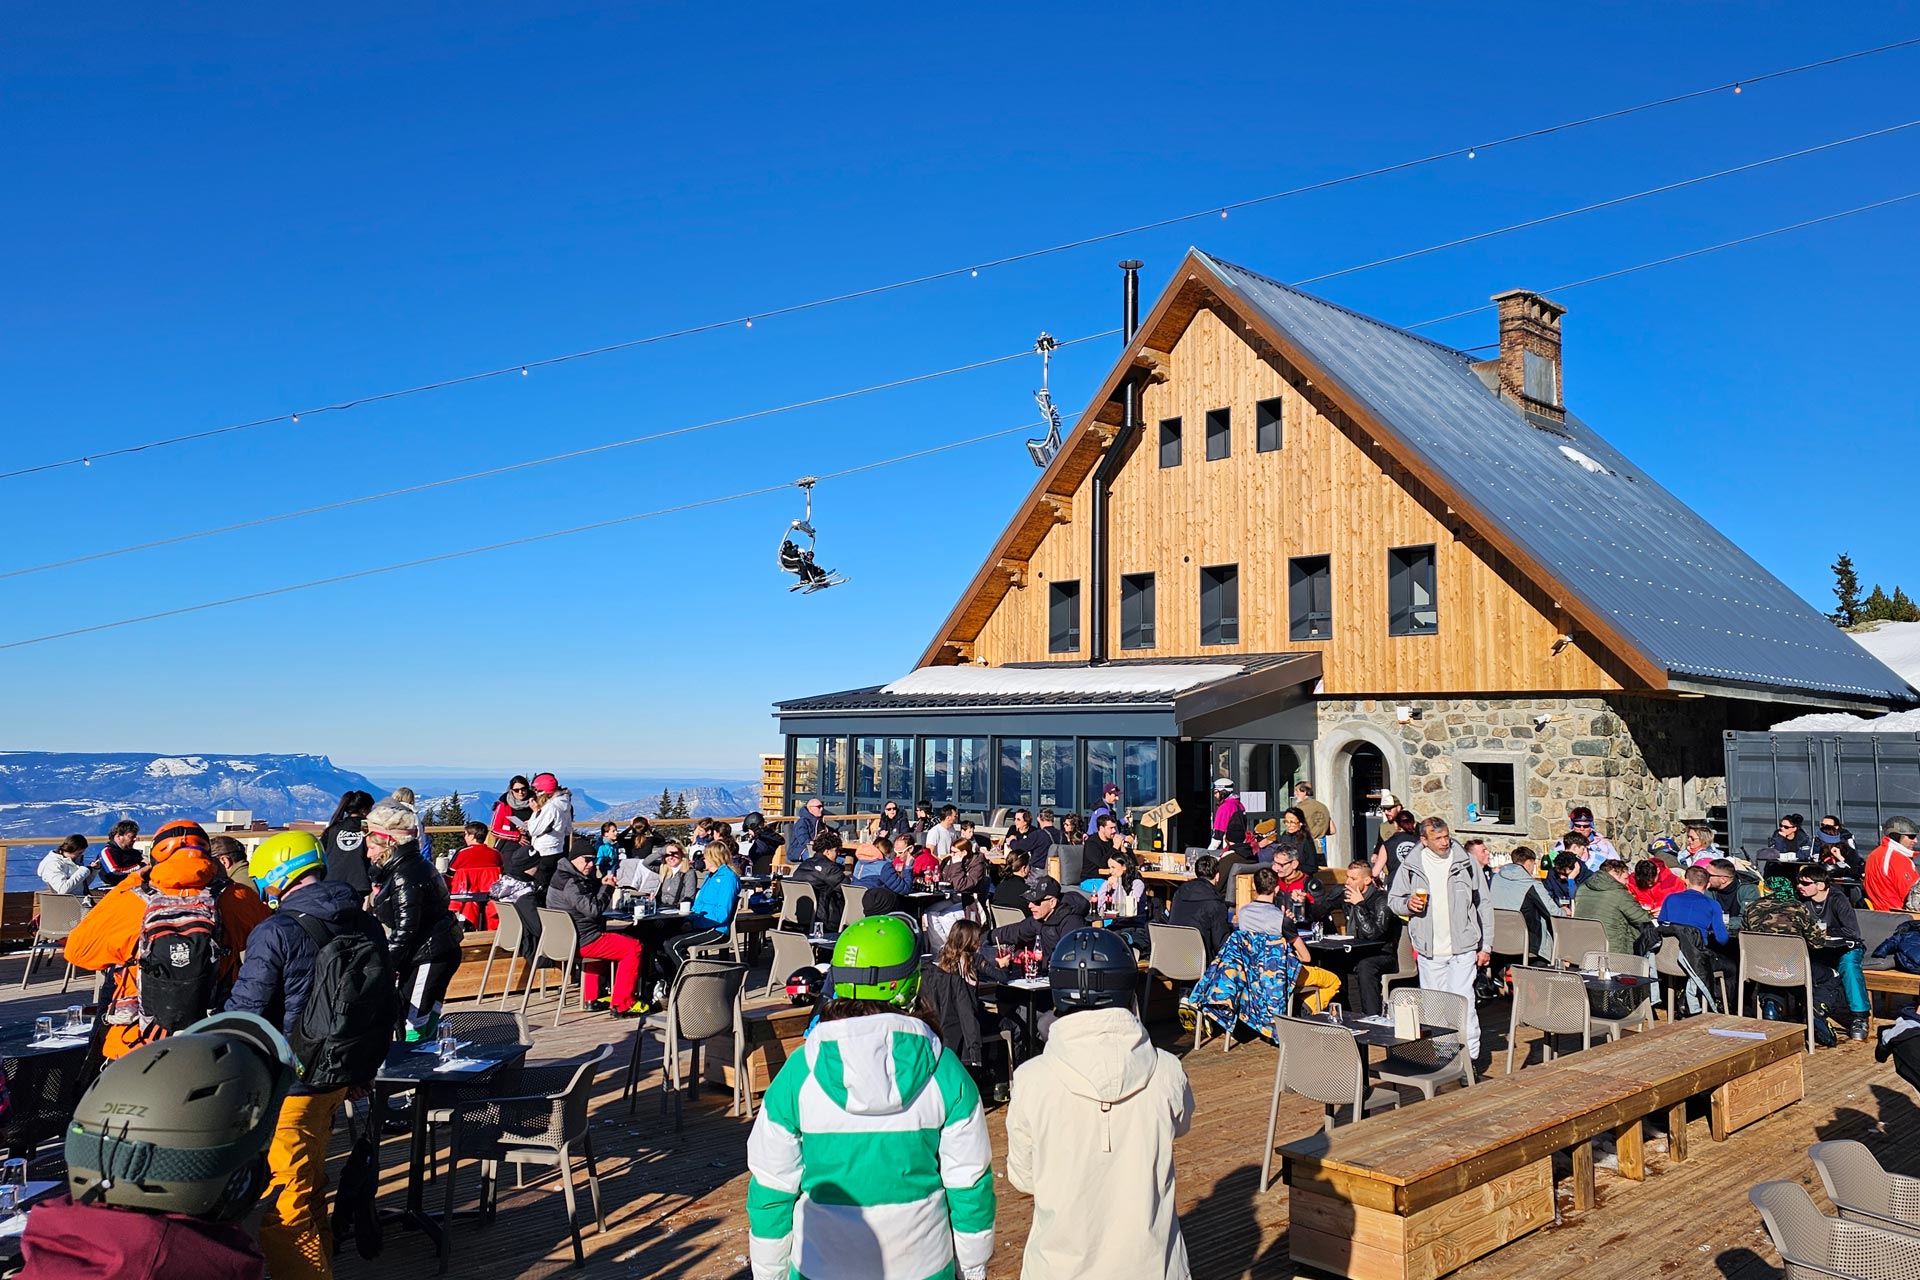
1029	993
1377	1033
12	1229
1603	994
19	1042
418	1068
1342	943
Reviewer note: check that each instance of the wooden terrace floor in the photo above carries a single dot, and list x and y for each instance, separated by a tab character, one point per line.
675	1205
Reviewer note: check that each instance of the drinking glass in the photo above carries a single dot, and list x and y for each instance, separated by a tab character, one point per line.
1333	1010
449	1046
75	1019
13	1186
1002	954
43	1028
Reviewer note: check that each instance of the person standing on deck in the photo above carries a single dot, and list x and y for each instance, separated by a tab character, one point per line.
1438	892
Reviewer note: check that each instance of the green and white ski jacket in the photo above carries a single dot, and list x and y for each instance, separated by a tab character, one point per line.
870	1160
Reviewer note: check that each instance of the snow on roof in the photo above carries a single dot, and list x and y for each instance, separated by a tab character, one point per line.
1129	678
1898	645
1840	722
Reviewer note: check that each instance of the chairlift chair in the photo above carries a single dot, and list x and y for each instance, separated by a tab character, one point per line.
1042	451
798	560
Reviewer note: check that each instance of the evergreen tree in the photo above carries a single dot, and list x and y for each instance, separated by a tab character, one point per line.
451	813
665	807
680	806
1846	590
1903	609
1879	608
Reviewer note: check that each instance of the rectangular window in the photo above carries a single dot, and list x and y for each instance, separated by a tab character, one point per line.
835	772
900	770
1411	609
1310	598
1220	604
1054	761
1133	765
1266	426
869	773
1490	791
806	771
1219	434
956	771
1063	617
1136	611
1169	442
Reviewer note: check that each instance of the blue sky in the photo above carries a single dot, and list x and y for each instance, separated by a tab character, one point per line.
225	212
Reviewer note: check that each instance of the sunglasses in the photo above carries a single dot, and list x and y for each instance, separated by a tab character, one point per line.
1584	822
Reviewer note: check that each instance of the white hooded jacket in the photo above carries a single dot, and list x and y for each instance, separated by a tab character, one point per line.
1090	1136
552	825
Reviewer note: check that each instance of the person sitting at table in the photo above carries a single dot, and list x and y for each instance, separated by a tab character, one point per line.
1517	887
1370	920
916	864
579	890
1198	904
1847	946
1122	893
1269	914
119	858
713	906
64	870
821	868
679	880
1026	838
1294	836
641	841
966	871
474	870
886	884
1693	907
1077	862
1055	912
1241	859
1299	892
1010	890
763	843
1567	874
1604	899
1652	883
950	990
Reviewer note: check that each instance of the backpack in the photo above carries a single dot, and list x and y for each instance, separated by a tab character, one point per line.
346	1025
1777	915
179	958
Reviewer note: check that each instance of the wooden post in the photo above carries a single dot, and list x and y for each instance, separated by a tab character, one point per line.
1583	1175
1629	1142
1677	1132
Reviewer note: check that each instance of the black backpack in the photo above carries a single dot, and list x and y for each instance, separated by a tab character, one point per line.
179	958
346	1026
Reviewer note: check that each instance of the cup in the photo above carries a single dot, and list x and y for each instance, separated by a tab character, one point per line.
1333	1010
1417	904
75	1018
686	908
449	1046
43	1028
9	1201
13	1186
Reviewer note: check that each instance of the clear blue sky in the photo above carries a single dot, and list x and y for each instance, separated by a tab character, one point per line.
233	211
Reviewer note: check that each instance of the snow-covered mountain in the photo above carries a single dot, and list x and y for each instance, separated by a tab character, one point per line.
55	793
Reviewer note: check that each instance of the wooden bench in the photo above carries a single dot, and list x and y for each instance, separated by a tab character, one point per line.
1419	1192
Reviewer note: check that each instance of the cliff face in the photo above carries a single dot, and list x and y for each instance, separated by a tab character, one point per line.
55	793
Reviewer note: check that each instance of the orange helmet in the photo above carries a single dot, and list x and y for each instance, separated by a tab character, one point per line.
176	837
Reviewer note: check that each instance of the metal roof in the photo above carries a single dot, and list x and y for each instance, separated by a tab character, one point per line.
1673	585
1074	685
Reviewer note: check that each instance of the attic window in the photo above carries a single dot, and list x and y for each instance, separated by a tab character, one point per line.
1585	463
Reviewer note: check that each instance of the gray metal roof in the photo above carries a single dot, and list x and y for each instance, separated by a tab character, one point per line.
875	698
1673	585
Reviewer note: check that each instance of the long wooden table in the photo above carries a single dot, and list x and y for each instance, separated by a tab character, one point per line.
1416	1193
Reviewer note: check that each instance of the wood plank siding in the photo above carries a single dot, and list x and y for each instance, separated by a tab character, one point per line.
1326	491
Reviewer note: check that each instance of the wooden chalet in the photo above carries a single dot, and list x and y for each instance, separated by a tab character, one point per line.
1290	541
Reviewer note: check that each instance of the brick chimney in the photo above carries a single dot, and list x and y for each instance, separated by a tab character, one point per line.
1529	360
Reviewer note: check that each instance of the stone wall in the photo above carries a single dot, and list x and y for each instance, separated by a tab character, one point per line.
1641	764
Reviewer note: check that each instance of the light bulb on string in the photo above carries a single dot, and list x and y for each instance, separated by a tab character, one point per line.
296	417
1469	153
749	324
1223	213
86	462
976	273
523	371
1736	88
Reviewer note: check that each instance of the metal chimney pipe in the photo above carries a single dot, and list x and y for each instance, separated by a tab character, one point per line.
1097	558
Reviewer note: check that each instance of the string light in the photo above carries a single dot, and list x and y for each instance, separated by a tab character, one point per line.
1736	88
523	371
974	269
1469	153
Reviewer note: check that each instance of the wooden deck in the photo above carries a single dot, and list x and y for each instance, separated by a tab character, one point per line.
675	1206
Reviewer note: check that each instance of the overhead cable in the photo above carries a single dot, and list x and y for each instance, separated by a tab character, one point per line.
525	367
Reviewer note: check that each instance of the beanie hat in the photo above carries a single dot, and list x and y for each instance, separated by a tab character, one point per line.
546	782
392	818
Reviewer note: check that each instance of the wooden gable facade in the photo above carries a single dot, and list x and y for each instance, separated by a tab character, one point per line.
1269	469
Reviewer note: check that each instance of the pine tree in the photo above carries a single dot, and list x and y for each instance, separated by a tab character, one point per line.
450	813
1846	590
1878	607
1903	608
665	808
680	806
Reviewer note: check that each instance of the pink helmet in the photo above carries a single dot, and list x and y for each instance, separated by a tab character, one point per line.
546	782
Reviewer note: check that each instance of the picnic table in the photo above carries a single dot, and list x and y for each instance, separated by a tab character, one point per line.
417	1067
1421	1191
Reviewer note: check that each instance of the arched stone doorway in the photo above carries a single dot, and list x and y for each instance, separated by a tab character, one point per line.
1355	761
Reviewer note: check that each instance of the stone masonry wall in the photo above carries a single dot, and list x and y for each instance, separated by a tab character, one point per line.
1642	764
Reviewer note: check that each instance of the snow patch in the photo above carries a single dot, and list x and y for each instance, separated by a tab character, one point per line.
1584	462
1840	722
175	766
1143	678
1897	644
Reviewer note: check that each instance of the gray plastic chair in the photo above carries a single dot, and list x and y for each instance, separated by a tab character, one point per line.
510	937
1178	953
560	943
475	1027
1321	1061
1426	1064
1863	1191
1633	966
704	1002
854	904
1574	938
794	895
1548	1001
1405	968
59	913
1814	1245
791	951
1004	916
1666	963
544	1125
1777	960
1510	934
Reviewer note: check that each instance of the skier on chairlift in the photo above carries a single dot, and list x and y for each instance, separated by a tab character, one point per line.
798	560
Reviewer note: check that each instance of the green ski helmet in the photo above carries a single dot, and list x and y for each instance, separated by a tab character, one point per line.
877	959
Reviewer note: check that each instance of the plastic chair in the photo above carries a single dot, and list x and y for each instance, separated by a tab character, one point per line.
59	913
1406	968
510	937
475	1027
854	898
1574	938
1814	1245
1177	953
560	943
1426	1064
1510	934
1666	965
704	1002
1321	1061
1777	960
511	1129
791	951
1863	1191
1004	916
795	894
1549	1001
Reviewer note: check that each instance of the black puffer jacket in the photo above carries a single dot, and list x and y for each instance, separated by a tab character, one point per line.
1070	914
957	1006
412	904
1197	904
581	897
1370	919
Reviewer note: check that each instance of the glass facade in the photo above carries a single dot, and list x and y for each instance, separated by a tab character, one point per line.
954	771
1036	773
1133	763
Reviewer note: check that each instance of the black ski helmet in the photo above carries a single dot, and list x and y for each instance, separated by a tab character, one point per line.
1092	969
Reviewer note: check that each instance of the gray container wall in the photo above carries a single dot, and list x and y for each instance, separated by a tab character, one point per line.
1862	778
